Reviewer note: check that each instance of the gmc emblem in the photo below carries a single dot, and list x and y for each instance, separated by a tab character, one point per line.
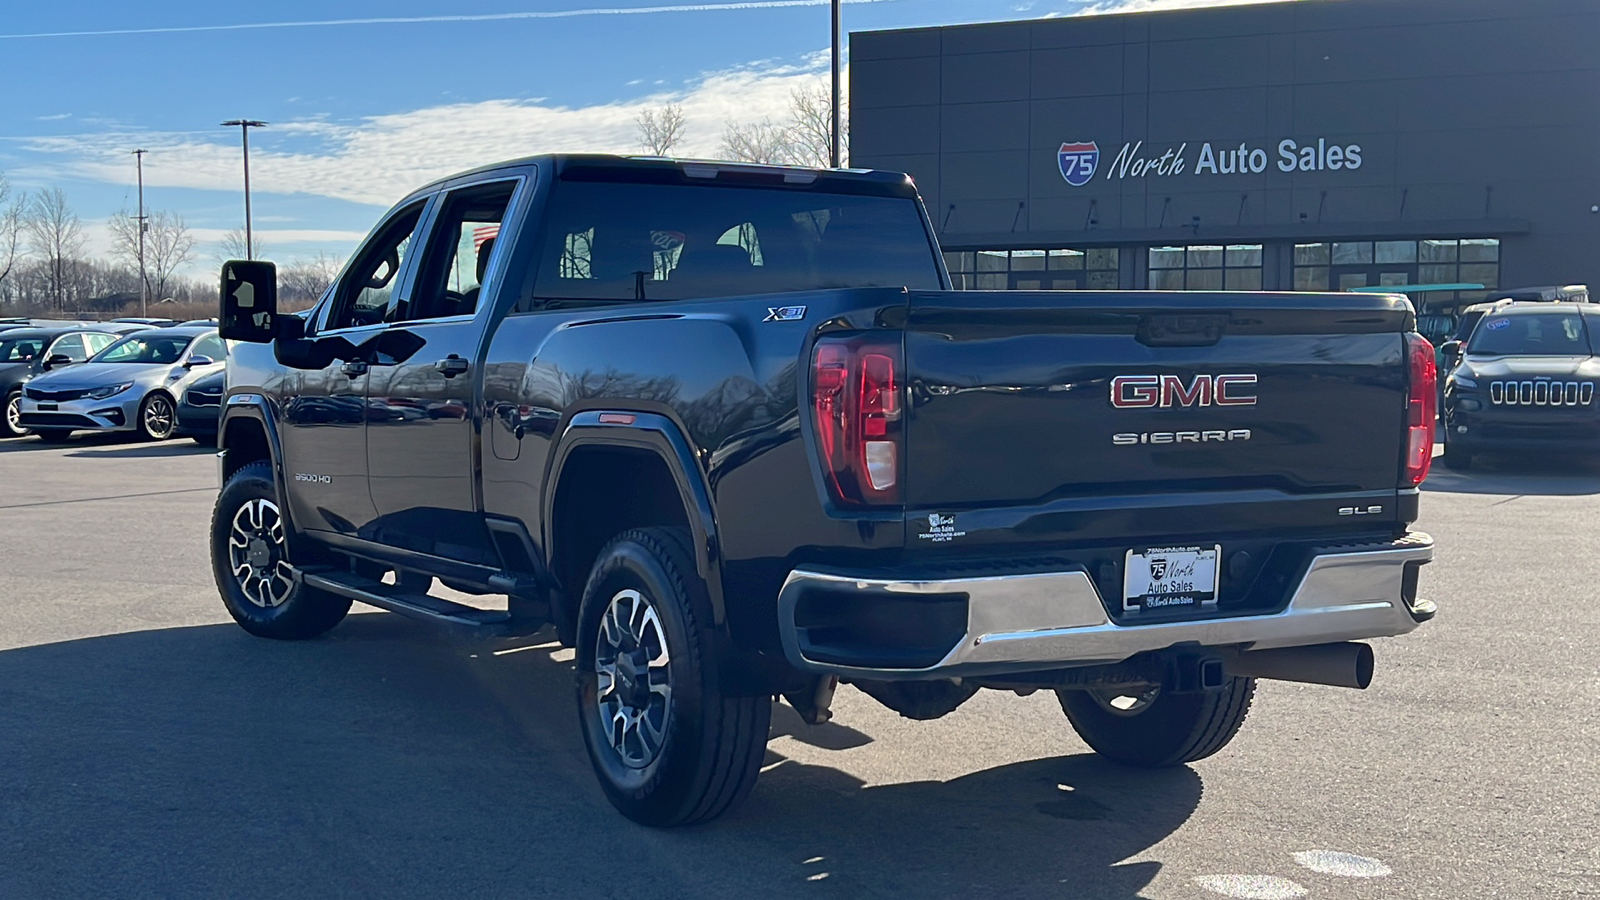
1146	391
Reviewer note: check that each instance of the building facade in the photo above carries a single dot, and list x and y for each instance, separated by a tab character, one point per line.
1308	145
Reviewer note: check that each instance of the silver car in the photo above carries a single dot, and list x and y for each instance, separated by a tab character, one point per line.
132	385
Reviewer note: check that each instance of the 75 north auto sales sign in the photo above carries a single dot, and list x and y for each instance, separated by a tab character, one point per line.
1079	161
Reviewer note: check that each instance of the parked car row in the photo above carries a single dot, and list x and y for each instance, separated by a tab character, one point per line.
58	378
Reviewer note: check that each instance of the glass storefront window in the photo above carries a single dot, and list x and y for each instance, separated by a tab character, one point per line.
1027	260
1166	257
1068	259
1034	269
1343	265
1395	252
1206	267
1438	251
1311	278
1480	250
1241	255
1352	253
1311	255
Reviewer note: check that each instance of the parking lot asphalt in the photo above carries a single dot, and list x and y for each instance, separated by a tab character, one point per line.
148	747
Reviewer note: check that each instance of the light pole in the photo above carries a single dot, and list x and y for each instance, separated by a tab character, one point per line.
144	282
244	132
833	143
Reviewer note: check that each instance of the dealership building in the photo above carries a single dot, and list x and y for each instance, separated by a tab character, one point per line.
1307	145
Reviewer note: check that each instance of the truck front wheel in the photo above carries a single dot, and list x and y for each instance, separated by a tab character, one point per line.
250	560
669	744
1154	729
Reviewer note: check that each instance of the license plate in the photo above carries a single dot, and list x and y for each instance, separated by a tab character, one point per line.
48	407
1170	578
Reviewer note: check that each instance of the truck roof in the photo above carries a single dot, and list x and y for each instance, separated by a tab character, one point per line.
659	168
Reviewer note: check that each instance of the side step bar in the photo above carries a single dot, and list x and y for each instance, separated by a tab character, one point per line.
478	623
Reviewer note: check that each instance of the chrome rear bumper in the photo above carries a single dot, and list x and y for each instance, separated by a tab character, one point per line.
1058	620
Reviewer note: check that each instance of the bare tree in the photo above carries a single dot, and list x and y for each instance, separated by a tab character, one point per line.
811	126
55	233
757	142
13	213
232	246
167	247
305	280
660	130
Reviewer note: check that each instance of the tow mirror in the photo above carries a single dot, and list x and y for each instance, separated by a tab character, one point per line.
249	302
56	360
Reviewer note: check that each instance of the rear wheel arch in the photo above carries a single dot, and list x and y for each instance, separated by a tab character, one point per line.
607	479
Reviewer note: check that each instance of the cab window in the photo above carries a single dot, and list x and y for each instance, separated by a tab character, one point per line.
367	293
462	243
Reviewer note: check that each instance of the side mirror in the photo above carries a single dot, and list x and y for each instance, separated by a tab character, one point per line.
249	302
198	360
56	360
1451	352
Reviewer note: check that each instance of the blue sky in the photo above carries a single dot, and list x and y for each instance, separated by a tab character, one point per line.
363	112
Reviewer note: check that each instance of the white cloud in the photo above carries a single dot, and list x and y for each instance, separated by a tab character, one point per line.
378	159
1108	7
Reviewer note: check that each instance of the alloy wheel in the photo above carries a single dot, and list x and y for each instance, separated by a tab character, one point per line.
158	417
634	691
14	416
257	554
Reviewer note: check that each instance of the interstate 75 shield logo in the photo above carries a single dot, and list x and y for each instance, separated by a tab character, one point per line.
1078	162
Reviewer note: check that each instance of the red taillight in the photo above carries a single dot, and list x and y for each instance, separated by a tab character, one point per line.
1422	404
855	398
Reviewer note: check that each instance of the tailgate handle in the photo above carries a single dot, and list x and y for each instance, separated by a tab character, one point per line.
1181	329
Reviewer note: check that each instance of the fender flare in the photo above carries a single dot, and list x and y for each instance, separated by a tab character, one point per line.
253	406
662	436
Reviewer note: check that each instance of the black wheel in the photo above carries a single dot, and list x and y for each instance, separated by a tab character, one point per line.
250	561
1153	729
52	435
1456	458
157	417
669	745
10	423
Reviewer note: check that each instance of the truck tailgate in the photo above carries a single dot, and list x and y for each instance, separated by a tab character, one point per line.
1023	398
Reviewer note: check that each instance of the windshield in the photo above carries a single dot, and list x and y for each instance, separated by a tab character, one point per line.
673	242
20	349
155	349
1539	334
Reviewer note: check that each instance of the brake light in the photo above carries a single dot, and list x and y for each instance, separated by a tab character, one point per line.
1422	404
855	398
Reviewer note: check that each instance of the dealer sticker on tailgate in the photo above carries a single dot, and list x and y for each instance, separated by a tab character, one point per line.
1170	577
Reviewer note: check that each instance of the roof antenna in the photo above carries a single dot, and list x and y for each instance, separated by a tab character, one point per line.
1089	221
1240	219
948	213
1164	204
1018	217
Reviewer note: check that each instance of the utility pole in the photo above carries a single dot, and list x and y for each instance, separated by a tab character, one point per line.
833	144
144	282
244	132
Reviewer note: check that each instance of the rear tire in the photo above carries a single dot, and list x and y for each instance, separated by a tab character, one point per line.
669	746
1456	458
1159	729
250	561
9	426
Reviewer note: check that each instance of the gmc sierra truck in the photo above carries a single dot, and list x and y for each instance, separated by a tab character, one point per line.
729	431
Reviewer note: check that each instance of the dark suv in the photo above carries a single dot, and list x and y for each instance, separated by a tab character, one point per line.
1524	382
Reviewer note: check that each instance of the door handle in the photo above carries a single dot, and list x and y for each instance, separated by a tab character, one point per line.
355	368
451	366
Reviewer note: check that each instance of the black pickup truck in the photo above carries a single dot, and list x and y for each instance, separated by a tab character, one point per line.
727	429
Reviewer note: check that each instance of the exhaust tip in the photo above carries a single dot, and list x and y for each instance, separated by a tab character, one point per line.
1363	666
